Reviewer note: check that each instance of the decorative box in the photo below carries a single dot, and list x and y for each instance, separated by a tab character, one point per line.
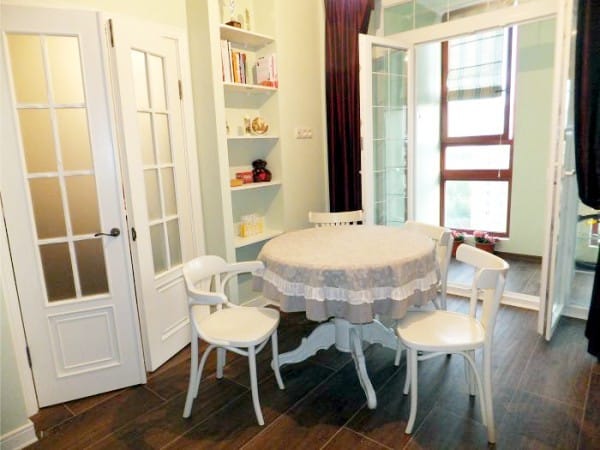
246	177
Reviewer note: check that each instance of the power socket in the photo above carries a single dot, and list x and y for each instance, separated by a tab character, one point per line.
303	133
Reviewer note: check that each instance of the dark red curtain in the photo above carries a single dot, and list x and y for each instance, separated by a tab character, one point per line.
344	20
587	135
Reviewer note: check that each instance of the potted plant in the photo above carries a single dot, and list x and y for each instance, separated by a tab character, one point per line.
459	238
484	241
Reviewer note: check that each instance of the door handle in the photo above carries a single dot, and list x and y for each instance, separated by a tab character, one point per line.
114	232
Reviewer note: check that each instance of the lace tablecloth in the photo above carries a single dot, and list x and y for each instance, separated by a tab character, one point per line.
351	272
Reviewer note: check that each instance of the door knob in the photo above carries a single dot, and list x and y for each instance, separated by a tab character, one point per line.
114	232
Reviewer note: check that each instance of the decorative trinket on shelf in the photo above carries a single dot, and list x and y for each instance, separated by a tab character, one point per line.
251	224
246	177
259	126
232	22
247	125
260	172
236	182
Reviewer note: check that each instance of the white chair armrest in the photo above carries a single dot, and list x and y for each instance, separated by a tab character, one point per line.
238	268
198	297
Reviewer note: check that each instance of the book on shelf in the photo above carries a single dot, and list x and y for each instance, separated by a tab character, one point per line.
233	64
266	71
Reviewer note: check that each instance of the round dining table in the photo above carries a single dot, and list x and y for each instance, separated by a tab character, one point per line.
346	277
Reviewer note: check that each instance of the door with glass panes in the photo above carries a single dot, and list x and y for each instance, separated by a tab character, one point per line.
63	206
162	187
386	119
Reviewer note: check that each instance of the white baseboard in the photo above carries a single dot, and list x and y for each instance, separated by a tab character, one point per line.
260	301
577	312
509	298
19	438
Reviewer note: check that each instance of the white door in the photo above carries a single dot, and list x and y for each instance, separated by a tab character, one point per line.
60	187
559	267
386	129
162	182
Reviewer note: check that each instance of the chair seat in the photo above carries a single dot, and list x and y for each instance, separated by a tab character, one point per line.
238	327
440	331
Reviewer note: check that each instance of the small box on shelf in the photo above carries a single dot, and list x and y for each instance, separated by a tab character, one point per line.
246	177
251	225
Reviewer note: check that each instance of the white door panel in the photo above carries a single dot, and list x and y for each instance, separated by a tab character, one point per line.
147	62
60	183
386	130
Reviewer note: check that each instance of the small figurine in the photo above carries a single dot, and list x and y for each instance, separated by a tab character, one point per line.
260	172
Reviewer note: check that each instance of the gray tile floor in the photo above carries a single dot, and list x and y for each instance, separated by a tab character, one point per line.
524	277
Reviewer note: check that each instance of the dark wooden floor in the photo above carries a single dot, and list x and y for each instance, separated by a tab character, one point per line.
547	396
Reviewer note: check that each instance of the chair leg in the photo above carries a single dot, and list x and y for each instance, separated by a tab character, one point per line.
201	368
398	352
487	386
221	355
254	385
407	380
413	391
469	374
275	360
187	409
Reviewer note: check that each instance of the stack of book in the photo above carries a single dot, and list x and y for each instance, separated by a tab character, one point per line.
233	63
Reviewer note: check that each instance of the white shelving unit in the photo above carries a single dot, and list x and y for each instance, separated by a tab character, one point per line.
221	108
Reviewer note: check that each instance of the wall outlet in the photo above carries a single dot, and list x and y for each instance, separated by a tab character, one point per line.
303	133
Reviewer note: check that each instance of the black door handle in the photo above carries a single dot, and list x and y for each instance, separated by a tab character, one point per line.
114	232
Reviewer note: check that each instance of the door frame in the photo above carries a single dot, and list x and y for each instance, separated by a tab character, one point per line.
522	13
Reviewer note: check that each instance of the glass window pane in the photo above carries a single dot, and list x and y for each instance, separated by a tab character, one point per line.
47	207
74	138
38	140
476	205
476	117
27	68
91	267
140	79
58	272
83	204
157	83
473	157
65	69
159	253
168	184
398	61
174	242
146	141
163	142
380	89
152	194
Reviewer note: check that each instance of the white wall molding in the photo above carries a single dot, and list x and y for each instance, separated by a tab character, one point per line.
19	437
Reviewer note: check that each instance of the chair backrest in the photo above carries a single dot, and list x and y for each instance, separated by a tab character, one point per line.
333	219
443	244
204	273
488	283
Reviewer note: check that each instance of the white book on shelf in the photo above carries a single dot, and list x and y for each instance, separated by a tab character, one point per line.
266	70
226	61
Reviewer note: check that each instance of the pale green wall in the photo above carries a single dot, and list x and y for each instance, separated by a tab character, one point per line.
13	413
533	107
168	12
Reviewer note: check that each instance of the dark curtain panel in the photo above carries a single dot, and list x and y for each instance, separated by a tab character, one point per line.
344	20
587	135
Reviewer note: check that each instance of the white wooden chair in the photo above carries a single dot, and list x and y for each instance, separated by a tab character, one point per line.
242	330
432	333
443	248
333	219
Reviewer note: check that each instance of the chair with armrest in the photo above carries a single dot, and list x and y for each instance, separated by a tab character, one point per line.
432	333
333	219
240	329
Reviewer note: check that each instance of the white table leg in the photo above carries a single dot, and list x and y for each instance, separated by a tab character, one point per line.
321	338
361	369
347	337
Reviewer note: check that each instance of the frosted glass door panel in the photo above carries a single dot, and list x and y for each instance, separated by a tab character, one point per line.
53	123
157	160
